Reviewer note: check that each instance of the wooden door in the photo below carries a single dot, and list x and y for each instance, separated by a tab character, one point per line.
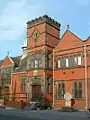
36	89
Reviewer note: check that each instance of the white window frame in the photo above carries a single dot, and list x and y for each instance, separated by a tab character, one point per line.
67	62
75	60
59	63
79	60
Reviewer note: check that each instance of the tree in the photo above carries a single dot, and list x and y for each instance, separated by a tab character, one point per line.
41	98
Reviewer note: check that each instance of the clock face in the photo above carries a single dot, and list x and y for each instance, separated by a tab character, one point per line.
35	34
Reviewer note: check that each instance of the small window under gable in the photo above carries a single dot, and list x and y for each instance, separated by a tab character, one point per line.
59	63
67	62
79	60
75	60
63	62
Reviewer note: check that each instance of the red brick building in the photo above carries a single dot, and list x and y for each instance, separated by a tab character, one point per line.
71	73
52	65
7	66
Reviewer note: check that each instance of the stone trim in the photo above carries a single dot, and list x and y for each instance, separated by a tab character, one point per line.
18	72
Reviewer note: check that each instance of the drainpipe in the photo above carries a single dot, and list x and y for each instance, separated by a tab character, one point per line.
45	91
53	80
86	80
11	88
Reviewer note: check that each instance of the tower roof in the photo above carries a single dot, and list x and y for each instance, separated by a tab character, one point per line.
43	19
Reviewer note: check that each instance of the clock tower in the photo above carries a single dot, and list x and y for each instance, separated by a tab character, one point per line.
43	31
42	37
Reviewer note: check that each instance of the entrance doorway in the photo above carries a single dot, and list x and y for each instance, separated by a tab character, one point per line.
36	90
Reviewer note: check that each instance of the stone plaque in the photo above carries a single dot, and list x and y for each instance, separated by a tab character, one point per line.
35	73
68	103
67	96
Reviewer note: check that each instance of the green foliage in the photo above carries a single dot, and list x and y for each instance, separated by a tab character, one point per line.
41	98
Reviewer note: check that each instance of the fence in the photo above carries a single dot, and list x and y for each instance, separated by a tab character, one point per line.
15	100
14	96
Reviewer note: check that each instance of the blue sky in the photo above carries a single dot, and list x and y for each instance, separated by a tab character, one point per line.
15	13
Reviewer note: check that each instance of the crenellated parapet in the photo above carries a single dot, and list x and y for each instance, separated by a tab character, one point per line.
43	19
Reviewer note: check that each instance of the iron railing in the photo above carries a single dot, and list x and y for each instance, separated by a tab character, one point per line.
14	96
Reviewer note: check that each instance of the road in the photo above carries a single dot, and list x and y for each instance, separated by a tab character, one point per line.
42	115
11	117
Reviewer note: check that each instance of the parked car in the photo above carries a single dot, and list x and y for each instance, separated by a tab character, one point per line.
37	105
33	106
2	106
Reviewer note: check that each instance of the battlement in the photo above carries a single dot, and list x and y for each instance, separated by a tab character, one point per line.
43	19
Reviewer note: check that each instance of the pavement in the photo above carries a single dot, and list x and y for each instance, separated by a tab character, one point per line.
9	108
13	114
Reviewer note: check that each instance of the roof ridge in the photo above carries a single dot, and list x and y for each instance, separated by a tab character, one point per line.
73	34
87	39
16	56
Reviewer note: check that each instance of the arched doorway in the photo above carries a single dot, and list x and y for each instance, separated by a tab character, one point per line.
36	90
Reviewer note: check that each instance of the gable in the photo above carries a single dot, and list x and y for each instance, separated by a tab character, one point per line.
68	40
87	41
7	61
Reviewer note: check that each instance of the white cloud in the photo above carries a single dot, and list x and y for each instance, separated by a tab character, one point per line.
14	17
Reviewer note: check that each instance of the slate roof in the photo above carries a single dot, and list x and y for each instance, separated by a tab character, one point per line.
20	64
16	60
23	65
